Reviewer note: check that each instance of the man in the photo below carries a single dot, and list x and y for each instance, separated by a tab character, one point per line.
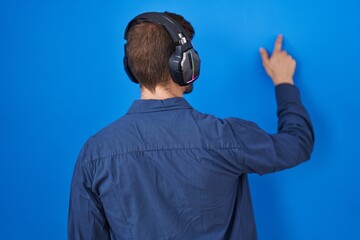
166	171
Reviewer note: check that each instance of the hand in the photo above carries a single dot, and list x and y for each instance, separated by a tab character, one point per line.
280	66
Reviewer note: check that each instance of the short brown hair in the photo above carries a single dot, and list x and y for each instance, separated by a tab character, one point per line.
149	47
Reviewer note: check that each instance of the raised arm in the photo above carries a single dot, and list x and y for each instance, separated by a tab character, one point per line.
294	140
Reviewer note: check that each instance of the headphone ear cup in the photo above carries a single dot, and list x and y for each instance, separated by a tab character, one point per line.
127	67
190	66
184	66
175	68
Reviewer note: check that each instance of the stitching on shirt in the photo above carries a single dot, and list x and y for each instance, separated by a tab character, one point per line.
155	110
166	148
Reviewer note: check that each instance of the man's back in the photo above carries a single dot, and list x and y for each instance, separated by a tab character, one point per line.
166	171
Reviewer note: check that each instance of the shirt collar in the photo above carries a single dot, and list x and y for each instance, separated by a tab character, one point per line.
159	105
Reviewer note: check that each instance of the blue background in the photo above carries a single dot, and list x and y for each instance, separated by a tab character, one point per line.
62	79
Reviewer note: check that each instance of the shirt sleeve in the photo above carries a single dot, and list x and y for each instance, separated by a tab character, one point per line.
290	146
86	218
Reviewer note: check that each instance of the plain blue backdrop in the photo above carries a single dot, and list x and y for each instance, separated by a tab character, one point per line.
62	79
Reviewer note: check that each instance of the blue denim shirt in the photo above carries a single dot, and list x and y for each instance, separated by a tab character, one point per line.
167	171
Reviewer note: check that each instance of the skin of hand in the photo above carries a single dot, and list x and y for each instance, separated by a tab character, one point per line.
280	66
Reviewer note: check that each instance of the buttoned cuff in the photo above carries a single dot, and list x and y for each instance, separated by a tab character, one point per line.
286	92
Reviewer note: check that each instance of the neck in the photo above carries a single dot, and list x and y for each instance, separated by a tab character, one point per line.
171	90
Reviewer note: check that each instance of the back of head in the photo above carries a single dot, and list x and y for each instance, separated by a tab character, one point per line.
148	49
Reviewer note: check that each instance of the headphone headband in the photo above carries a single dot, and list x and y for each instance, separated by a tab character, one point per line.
172	27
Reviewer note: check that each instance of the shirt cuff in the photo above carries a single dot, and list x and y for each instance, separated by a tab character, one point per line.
286	92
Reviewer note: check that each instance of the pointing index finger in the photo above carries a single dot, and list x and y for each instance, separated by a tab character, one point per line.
278	43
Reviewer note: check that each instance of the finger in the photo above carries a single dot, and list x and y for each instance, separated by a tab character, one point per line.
264	55
278	43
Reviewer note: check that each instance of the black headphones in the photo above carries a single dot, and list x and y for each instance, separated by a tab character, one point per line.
184	62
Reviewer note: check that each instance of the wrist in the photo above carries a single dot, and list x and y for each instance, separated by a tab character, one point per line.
283	81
